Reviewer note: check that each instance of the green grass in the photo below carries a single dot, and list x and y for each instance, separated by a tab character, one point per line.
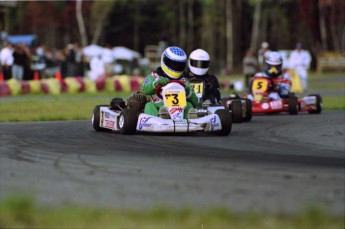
20	212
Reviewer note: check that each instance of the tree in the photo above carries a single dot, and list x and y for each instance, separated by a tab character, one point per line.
81	24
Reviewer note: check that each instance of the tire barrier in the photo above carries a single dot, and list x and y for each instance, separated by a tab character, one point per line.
72	85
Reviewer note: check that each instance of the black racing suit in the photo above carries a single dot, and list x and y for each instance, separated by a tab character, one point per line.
212	86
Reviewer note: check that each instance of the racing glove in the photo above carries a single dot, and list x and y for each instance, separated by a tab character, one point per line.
161	81
187	90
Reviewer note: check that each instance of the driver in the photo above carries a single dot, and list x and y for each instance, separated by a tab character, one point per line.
173	63
280	81
198	65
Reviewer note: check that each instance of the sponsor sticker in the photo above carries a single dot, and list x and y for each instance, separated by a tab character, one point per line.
143	122
214	123
109	124
276	104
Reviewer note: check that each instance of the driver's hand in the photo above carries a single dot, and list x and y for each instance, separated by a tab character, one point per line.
188	90
162	81
276	87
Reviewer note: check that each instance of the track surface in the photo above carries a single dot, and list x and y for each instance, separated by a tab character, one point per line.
275	163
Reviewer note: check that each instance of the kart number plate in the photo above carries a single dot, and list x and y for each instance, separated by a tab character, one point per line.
175	99
260	84
198	88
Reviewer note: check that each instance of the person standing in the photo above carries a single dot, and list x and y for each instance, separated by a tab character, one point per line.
249	67
299	60
6	59
21	61
262	53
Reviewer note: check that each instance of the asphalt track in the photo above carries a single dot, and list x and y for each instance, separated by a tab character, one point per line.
275	163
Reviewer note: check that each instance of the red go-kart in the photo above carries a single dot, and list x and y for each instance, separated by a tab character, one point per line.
261	103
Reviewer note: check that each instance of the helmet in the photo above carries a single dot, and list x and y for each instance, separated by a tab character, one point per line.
199	61
274	62
173	62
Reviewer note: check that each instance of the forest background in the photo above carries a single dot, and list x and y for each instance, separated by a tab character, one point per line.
225	28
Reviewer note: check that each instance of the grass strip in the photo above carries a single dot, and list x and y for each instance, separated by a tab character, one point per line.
21	212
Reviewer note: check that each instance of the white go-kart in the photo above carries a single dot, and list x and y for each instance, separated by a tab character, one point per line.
127	118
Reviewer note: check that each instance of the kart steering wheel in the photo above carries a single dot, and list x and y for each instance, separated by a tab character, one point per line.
159	87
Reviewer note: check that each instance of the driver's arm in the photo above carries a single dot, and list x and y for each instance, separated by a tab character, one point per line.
148	86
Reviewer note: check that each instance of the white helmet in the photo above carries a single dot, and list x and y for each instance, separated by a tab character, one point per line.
173	62
274	58
199	61
274	62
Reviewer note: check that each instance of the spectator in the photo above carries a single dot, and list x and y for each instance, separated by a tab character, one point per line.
108	60
299	60
262	54
71	63
21	63
96	67
79	59
250	67
6	59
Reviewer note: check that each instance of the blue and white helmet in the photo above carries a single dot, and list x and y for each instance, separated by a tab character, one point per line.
173	62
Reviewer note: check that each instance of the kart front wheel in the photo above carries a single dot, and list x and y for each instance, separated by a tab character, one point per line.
226	121
293	104
236	110
249	110
318	105
127	122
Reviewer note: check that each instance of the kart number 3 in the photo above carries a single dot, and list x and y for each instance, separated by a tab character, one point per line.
175	99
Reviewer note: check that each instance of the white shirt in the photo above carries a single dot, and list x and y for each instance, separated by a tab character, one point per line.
96	68
6	56
299	58
107	56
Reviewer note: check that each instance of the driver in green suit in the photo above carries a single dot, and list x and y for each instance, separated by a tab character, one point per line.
173	63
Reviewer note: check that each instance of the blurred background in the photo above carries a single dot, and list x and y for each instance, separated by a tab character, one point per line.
143	28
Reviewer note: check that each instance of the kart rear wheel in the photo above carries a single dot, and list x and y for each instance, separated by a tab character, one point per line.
318	104
293	104
236	110
127	122
226	121
96	116
249	111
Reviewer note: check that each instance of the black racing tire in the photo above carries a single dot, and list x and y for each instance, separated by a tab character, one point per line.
249	111
96	118
318	104
127	121
225	120
236	111
293	104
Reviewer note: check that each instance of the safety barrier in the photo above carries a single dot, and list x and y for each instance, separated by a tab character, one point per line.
56	86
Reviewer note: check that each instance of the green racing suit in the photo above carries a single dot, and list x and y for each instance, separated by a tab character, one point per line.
149	88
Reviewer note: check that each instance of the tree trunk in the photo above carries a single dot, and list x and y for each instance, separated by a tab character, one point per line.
256	24
229	36
182	35
190	36
81	24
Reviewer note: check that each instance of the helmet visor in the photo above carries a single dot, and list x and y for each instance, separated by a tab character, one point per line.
200	63
177	66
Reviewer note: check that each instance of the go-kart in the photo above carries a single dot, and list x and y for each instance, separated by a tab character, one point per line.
240	109
261	103
129	118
